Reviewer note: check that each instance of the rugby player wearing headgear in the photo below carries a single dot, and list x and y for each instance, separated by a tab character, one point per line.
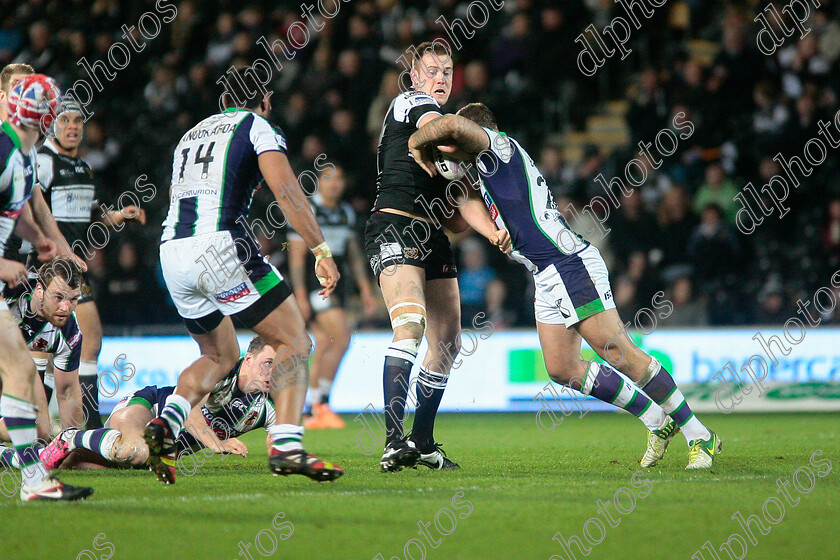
36	207
32	104
213	271
70	191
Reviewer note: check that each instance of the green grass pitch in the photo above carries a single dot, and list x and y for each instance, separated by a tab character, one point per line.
522	488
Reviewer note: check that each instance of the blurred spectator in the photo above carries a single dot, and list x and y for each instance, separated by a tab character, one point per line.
687	312
473	277
39	53
717	257
676	224
632	229
717	190
772	308
495	297
831	234
160	92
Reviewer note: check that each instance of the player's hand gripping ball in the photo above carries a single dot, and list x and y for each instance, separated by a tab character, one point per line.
450	169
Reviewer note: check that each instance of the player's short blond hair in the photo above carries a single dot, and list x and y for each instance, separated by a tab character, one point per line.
10	70
436	48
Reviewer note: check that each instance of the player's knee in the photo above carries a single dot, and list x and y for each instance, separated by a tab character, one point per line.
561	372
408	319
129	451
224	359
342	340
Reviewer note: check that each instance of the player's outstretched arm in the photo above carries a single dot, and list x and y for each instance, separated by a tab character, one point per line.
448	129
297	275
280	178
68	396
27	228
198	428
474	212
45	220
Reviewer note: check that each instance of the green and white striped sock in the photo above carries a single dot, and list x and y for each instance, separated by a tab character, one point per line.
286	437
20	421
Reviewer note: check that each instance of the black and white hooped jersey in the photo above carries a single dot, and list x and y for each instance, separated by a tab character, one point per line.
520	201
64	343
17	176
338	226
69	190
215	172
231	412
400	180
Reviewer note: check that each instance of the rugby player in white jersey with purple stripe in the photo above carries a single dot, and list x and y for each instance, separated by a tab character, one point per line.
573	294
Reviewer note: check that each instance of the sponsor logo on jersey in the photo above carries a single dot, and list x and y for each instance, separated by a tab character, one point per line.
491	206
12	215
40	344
75	339
608	295
252	418
233	294
411	252
13	210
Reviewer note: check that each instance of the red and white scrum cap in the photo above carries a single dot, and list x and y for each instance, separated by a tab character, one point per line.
34	101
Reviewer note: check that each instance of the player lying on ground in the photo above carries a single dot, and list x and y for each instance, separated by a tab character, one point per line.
213	270
412	261
238	404
327	318
32	102
44	310
573	294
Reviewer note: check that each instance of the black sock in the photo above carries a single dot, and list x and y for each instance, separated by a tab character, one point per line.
430	388
90	401
395	387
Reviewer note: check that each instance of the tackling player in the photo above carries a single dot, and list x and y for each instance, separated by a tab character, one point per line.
326	317
573	294
412	260
32	101
69	189
213	271
237	404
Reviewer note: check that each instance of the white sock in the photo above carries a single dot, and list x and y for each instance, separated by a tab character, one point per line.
325	385
314	396
20	421
693	429
286	437
88	368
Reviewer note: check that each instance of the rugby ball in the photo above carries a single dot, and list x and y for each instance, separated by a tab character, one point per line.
450	169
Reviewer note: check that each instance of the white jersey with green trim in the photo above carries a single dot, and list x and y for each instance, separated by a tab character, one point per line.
215	172
520	201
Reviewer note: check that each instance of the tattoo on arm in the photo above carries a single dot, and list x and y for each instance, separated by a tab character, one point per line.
468	135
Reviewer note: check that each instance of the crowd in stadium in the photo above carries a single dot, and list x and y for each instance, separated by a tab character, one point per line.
676	233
